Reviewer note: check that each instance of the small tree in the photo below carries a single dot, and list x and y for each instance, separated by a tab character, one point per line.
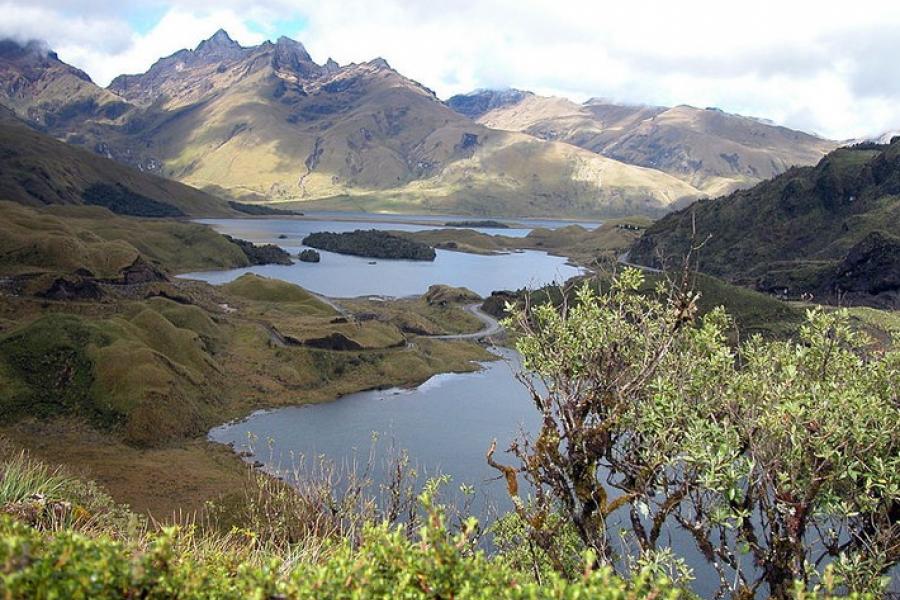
651	418
801	466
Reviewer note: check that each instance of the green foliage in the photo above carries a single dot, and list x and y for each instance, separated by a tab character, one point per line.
372	243
264	254
766	449
484	224
386	564
260	209
21	477
511	537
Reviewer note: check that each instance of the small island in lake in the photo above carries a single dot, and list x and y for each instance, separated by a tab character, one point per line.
264	254
486	224
309	255
370	243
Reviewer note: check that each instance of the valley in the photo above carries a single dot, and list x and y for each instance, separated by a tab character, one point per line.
267	315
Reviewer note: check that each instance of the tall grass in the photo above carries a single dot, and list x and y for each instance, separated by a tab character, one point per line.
22	477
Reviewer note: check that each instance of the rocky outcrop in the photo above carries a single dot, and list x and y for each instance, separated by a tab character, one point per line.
334	341
71	287
870	274
140	271
479	102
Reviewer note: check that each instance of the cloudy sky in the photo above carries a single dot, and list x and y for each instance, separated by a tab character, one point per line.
822	66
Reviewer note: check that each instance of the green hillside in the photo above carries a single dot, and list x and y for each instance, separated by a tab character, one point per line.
66	239
828	230
37	170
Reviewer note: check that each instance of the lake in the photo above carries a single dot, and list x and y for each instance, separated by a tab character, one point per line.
344	276
446	424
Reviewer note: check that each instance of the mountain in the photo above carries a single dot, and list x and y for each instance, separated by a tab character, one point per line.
49	93
479	102
267	123
38	170
830	230
714	151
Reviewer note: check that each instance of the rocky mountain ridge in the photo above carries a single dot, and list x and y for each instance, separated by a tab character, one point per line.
267	123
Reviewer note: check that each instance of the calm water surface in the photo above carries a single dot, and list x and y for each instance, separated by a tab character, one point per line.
446	424
344	276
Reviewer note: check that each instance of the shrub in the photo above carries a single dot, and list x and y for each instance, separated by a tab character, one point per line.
787	451
387	564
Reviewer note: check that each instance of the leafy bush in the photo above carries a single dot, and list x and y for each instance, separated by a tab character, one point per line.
785	451
182	563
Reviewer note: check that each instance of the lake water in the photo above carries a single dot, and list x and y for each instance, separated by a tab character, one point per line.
439	220
446	424
344	276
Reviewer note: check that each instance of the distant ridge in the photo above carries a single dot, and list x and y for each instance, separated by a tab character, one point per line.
714	151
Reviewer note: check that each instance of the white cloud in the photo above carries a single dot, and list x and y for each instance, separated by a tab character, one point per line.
814	65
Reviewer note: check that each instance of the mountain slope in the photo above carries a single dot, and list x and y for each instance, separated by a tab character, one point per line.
829	230
267	123
47	92
714	151
37	170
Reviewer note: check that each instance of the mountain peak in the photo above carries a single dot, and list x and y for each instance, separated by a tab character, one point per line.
219	41
379	63
331	66
286	47
36	54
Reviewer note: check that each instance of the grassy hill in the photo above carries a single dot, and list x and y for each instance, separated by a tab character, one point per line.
66	239
110	364
828	230
713	151
588	247
37	170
